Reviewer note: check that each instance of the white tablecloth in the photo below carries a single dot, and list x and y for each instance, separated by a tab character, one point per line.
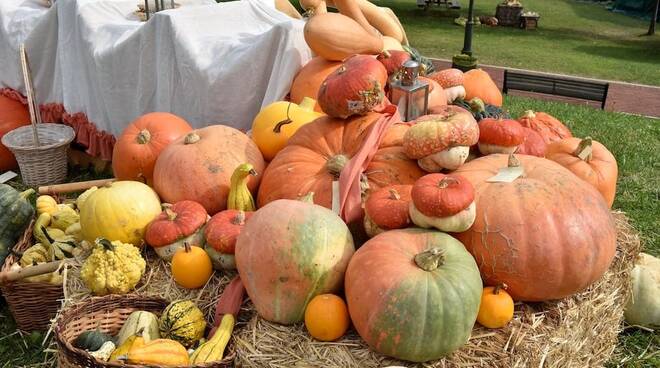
209	63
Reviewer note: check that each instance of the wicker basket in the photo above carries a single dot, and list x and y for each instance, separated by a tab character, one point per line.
108	312
508	15
42	164
33	304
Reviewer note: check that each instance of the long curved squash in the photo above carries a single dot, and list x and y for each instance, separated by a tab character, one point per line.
335	36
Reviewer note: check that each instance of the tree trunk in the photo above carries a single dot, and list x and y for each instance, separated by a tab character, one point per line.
654	18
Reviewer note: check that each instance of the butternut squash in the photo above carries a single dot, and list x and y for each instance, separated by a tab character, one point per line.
160	351
382	19
335	36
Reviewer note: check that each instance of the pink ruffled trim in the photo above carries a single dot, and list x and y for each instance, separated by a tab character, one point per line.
99	143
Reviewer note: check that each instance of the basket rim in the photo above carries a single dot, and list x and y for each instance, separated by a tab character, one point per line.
67	130
70	313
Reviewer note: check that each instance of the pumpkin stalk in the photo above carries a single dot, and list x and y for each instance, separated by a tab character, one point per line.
288	120
186	247
394	195
307	198
143	137
513	161
240	197
171	215
477	105
106	244
239	219
26	193
499	287
581	150
430	259
336	164
446	182
191	138
529	114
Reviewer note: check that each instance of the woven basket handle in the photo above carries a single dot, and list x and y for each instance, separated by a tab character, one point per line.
35	115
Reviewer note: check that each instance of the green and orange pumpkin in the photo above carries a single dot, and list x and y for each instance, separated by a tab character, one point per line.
413	294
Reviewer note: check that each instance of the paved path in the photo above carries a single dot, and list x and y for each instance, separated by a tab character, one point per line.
623	97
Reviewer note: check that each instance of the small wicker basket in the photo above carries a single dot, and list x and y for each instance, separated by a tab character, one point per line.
33	304
109	313
42	164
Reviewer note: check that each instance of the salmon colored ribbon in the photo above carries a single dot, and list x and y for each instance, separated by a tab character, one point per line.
350	193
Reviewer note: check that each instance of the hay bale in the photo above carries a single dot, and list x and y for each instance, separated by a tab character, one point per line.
580	331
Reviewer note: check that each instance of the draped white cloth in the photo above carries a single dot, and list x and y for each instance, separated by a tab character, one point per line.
208	63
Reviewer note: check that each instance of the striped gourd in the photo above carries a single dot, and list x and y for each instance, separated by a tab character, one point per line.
182	321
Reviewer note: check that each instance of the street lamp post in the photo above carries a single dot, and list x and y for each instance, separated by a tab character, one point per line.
465	61
467	41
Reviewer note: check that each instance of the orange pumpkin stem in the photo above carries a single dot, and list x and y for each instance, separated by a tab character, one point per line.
446	182
581	150
498	287
513	161
307	198
529	114
143	137
186	247
430	259
394	195
278	126
336	164
171	215
191	138
239	219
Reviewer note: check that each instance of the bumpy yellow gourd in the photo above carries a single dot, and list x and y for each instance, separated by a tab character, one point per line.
277	122
240	197
214	349
64	217
160	351
112	268
47	204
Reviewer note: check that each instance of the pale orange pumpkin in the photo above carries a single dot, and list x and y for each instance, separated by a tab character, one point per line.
139	145
478	83
590	161
198	166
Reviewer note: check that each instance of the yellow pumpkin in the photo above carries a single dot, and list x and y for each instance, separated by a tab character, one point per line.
277	122
119	211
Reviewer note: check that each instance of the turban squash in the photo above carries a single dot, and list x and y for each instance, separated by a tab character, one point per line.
546	234
317	153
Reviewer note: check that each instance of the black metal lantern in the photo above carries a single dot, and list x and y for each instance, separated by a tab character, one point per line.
408	93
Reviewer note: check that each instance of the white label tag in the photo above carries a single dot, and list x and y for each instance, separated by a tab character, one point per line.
7	176
586	152
335	197
507	175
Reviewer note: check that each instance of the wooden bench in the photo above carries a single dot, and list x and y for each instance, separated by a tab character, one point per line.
556	85
450	4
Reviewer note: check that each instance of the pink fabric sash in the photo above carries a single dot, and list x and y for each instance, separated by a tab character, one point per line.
350	193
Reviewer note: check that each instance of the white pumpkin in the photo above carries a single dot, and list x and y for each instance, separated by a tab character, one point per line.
643	308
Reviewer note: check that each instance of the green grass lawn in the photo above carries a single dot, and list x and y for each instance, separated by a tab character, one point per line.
634	140
574	38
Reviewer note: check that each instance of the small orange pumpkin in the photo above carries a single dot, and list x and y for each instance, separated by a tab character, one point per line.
326	317
590	161
309	79
496	309
191	267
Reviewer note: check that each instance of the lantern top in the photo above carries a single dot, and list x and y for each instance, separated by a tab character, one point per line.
410	72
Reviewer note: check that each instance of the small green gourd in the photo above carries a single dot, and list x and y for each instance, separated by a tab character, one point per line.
91	340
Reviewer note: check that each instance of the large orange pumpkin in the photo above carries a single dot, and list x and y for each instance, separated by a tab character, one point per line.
590	161
309	79
549	127
547	234
478	83
139	145
198	166
316	154
13	114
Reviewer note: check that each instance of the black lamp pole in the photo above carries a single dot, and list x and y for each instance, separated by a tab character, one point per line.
467	42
